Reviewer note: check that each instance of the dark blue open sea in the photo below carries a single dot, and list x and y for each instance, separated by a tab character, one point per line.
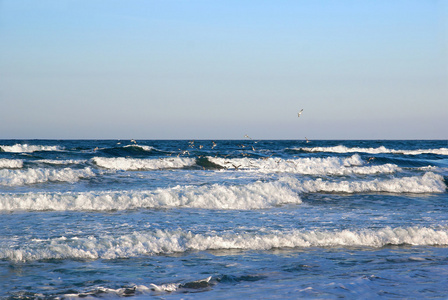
223	219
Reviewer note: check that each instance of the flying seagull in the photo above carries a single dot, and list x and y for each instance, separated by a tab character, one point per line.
300	112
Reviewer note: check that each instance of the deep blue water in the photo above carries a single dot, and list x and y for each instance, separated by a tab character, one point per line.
223	219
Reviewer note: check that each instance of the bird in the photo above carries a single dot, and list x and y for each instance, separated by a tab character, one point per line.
236	167
246	136
307	140
300	112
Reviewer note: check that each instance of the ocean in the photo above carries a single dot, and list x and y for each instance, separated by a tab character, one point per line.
224	219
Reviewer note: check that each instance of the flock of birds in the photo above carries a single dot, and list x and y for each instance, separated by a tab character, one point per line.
191	145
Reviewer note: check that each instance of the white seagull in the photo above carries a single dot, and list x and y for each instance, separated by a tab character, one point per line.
300	112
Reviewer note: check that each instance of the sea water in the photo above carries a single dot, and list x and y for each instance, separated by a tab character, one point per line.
223	219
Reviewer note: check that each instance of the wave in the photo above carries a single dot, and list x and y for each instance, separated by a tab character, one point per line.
60	162
258	195
129	150
307	166
382	149
428	183
25	148
133	164
166	242
143	290
11	163
32	176
142	147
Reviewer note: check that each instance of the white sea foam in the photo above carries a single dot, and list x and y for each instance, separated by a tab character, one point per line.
40	175
382	149
143	147
164	242
258	195
61	162
428	183
142	290
11	163
25	148
307	166
132	164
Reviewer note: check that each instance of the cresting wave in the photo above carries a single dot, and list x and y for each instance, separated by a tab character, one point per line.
60	162
165	242
428	183
133	164
382	149
40	175
257	195
25	148
307	166
142	289
11	163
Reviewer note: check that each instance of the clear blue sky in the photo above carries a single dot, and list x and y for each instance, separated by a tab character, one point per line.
216	69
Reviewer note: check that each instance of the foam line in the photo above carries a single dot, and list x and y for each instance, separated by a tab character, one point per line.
11	163
165	242
428	183
308	166
25	148
258	195
382	149
40	175
133	164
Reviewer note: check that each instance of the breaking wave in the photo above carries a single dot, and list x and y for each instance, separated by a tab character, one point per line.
257	195
428	183
307	166
25	148
60	162
165	242
11	163
382	149
32	176
142	290
133	164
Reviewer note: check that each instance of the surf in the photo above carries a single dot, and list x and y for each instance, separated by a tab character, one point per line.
378	150
162	242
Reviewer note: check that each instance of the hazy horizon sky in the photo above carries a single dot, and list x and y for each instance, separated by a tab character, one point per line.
109	69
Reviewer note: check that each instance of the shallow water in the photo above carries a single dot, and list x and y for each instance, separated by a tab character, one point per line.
223	219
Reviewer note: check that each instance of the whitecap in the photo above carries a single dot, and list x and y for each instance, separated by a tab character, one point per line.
336	166
166	242
258	195
378	150
41	175
25	148
133	164
428	183
11	163
143	147
60	162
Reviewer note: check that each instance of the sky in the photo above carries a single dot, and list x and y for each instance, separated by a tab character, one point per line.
179	69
